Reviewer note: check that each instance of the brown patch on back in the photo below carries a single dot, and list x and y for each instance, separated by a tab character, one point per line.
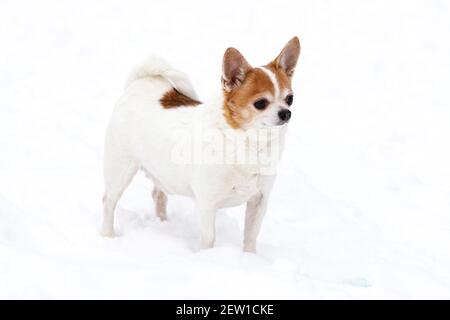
173	98
238	109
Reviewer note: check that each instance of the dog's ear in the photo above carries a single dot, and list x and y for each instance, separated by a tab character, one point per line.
234	69
287	59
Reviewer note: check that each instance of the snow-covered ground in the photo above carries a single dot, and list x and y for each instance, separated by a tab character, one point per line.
361	207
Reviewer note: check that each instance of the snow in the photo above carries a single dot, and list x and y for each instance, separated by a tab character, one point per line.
361	206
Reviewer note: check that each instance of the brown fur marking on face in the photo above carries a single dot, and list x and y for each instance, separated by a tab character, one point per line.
238	103
174	98
283	80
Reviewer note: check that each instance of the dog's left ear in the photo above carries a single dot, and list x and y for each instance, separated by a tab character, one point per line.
287	59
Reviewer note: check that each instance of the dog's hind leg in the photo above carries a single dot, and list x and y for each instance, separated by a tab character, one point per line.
119	171
160	199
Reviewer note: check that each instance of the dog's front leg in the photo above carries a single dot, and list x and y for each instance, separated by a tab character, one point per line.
207	214
254	214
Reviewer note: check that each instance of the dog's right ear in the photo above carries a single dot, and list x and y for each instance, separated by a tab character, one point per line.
234	69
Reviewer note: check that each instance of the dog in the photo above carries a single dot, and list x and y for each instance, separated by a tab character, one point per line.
159	114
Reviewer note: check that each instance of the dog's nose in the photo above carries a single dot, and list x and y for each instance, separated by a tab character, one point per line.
284	115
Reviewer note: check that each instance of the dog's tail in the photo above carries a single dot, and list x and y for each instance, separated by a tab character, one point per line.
155	66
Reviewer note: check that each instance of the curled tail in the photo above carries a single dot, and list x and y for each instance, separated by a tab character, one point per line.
155	66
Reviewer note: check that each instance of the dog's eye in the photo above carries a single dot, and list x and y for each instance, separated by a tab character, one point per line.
289	99
261	104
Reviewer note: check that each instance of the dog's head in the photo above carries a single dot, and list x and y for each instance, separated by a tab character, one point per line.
262	96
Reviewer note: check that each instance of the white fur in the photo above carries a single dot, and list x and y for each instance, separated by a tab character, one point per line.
140	135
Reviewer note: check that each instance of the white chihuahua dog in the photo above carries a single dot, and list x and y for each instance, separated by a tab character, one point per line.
221	154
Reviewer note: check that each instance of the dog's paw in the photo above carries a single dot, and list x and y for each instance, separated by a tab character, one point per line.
250	248
162	217
204	245
108	234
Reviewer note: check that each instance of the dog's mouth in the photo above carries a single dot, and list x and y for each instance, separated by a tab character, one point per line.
279	124
282	123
